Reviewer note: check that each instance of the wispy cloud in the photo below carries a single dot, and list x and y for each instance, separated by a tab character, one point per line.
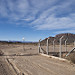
40	14
70	30
60	16
53	22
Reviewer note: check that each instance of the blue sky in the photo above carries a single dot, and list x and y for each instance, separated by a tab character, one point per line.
35	19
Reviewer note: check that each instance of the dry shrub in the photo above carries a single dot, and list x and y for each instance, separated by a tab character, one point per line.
71	57
1	53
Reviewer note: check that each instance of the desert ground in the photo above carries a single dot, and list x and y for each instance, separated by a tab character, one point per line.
24	60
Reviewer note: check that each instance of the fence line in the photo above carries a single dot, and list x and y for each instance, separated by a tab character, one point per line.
54	49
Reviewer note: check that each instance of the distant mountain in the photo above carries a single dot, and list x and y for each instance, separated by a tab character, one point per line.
43	42
66	36
17	41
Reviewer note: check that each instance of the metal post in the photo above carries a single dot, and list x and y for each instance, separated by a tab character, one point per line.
60	47
74	43
66	45
54	45
23	43
39	47
8	43
47	47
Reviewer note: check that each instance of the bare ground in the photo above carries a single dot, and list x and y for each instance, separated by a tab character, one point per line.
4	68
30	63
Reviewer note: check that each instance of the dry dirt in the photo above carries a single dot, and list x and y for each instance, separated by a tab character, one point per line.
4	68
29	62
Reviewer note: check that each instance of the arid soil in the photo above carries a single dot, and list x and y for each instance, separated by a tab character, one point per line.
4	68
27	61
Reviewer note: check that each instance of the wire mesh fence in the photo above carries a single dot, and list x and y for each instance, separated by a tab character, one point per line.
59	49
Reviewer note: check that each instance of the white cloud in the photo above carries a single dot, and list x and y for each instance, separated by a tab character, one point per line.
67	31
3	10
27	19
57	17
53	22
43	4
41	14
17	9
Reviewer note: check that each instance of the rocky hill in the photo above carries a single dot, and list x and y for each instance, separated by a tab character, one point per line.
66	36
